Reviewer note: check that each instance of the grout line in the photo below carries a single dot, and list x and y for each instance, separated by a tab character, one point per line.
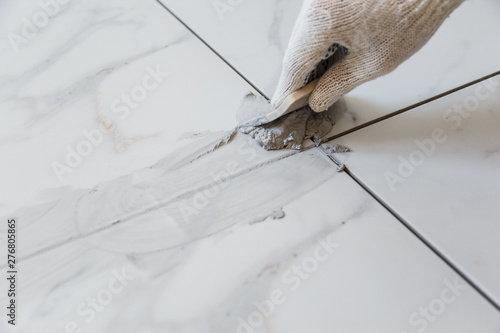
423	239
213	50
411	107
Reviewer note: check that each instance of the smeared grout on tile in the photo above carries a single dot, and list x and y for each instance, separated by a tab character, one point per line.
289	131
242	182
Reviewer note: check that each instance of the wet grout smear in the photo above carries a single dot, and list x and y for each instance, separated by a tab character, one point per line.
291	130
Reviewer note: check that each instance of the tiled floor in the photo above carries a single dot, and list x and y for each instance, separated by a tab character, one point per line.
129	222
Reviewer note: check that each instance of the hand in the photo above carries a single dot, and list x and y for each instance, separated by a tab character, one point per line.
372	38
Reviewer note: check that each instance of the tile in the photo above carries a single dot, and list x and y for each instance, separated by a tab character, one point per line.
102	89
437	167
360	269
252	36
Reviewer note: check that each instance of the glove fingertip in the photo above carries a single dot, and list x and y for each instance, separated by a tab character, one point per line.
319	102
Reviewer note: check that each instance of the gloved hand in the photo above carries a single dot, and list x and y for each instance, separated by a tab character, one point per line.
378	35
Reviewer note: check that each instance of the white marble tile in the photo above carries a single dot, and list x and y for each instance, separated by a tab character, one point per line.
437	166
252	36
70	77
374	276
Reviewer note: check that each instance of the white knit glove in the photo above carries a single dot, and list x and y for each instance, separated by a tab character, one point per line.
369	38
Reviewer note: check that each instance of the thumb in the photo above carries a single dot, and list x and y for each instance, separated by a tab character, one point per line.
343	77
